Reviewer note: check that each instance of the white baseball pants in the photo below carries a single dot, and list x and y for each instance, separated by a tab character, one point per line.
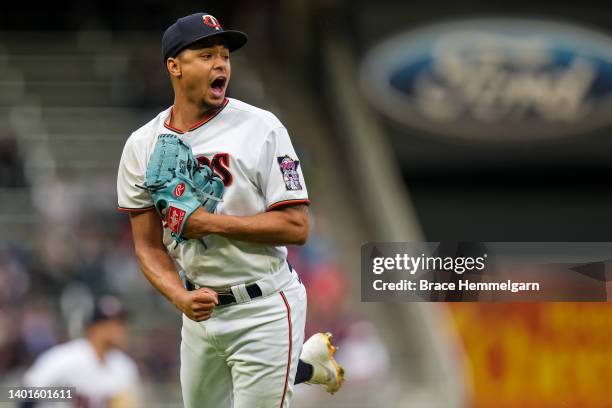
246	354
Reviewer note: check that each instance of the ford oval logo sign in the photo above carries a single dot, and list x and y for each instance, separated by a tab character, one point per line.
493	79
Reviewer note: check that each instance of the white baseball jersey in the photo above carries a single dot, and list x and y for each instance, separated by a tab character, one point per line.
76	364
251	151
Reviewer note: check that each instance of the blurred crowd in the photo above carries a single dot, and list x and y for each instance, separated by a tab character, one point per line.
11	164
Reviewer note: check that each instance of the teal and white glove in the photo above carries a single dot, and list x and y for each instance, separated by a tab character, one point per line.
169	179
179	185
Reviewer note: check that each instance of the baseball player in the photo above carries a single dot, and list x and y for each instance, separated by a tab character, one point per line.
214	187
103	375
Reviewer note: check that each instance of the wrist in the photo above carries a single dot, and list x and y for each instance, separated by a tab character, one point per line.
199	224
178	298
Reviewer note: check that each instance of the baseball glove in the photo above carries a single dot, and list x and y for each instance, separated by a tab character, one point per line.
177	184
209	188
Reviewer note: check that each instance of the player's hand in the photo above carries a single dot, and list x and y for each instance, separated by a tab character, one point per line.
198	305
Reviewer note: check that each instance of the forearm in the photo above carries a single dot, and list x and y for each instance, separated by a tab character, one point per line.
159	269
273	227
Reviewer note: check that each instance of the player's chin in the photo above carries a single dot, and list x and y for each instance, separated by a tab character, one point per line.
215	99
120	344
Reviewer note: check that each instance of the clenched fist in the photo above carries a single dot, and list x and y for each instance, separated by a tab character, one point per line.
198	304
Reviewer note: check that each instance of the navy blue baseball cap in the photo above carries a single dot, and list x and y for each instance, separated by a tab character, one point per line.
189	29
106	308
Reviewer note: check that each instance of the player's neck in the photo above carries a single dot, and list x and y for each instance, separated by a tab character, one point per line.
185	115
99	348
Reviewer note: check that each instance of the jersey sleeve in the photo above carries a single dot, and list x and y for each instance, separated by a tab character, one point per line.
132	169
280	172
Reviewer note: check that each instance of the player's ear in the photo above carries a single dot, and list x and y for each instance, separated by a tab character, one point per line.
174	67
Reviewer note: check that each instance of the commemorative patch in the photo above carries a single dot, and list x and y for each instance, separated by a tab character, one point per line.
288	168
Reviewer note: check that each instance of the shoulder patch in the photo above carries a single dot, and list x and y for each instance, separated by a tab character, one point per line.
288	168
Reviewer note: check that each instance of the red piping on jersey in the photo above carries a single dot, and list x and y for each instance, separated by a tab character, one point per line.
207	118
135	209
290	346
288	202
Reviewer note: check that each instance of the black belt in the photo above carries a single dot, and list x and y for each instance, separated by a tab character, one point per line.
226	297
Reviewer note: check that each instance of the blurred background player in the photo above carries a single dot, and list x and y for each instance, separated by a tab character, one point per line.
96	365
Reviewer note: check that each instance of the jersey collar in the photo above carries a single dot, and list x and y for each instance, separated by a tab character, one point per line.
206	119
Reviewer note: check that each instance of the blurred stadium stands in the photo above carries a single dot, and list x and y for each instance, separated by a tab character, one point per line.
77	78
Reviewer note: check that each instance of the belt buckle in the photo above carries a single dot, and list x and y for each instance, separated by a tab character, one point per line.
226	297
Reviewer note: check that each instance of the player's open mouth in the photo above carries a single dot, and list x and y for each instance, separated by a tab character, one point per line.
217	86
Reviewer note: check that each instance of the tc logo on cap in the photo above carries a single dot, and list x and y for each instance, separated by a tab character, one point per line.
211	21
